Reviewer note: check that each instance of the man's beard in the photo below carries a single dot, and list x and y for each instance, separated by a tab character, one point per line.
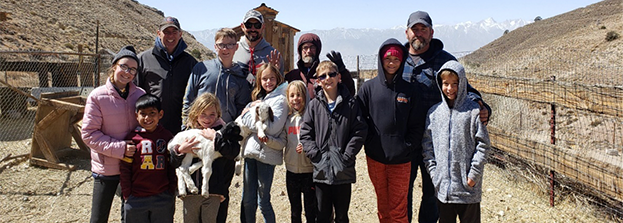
307	59
416	44
253	38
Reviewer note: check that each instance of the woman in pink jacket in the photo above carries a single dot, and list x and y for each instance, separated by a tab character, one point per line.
108	118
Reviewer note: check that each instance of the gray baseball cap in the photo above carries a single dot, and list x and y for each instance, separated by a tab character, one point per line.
419	17
253	14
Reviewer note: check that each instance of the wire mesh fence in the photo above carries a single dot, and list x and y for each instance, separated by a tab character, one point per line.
25	76
561	114
574	128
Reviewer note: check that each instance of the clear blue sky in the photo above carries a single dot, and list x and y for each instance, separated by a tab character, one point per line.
195	15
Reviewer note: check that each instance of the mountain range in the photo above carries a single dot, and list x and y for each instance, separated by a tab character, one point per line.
459	39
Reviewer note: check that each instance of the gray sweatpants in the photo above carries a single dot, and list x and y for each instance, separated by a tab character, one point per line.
198	209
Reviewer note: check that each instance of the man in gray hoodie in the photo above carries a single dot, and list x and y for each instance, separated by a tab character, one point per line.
253	49
455	146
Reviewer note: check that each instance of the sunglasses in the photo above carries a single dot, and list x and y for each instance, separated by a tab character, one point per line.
323	77
257	25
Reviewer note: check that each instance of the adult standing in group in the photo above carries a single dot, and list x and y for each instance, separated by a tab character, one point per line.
253	49
426	56
164	71
309	47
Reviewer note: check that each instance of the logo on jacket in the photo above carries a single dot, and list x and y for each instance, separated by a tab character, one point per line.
402	99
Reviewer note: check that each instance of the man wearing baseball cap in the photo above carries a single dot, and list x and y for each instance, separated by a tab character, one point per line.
164	71
253	49
426	56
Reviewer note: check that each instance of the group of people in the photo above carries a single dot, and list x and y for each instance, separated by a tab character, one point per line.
419	112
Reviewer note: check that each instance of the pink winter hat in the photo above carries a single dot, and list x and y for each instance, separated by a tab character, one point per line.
392	50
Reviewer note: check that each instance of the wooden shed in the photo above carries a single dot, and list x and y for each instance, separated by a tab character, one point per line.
278	34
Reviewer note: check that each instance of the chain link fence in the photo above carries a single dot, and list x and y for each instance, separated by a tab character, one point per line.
25	76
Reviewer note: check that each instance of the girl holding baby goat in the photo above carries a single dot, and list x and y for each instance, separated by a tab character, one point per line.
262	154
205	113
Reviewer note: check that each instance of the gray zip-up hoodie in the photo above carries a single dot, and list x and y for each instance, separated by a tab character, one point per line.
455	144
228	85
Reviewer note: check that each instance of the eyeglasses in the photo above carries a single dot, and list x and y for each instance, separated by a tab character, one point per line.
324	76
312	47
257	25
127	69
223	46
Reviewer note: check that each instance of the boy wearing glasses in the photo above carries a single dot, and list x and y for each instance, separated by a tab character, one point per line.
332	134
226	80
388	106
254	49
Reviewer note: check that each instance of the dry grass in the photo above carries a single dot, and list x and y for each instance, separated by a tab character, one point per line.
511	194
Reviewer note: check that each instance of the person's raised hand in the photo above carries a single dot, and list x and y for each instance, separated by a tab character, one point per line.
336	57
274	57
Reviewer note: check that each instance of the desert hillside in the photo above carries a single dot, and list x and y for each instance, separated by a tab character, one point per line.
63	25
572	46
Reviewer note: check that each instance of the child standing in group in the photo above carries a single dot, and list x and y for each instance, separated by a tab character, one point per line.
388	105
227	81
108	118
455	146
332	134
263	154
205	113
147	179
299	177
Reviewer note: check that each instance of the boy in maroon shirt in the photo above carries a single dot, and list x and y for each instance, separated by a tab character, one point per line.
147	179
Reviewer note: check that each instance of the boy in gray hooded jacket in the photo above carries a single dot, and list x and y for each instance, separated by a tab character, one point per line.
455	146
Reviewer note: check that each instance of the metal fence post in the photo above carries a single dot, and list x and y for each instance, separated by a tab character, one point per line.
552	124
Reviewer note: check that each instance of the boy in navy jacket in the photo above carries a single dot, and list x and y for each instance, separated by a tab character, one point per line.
332	134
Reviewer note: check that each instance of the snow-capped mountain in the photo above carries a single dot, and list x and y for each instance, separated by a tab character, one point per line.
459	39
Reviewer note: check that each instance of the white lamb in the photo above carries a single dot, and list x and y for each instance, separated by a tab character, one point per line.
263	114
206	152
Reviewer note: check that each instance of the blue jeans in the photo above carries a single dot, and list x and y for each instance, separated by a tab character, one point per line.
258	179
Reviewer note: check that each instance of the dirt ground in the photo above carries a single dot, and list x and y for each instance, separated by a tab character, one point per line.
34	194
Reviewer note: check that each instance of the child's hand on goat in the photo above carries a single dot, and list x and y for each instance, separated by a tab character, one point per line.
208	133
188	146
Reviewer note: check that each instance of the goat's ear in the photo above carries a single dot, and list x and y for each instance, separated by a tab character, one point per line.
257	112
217	147
271	116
